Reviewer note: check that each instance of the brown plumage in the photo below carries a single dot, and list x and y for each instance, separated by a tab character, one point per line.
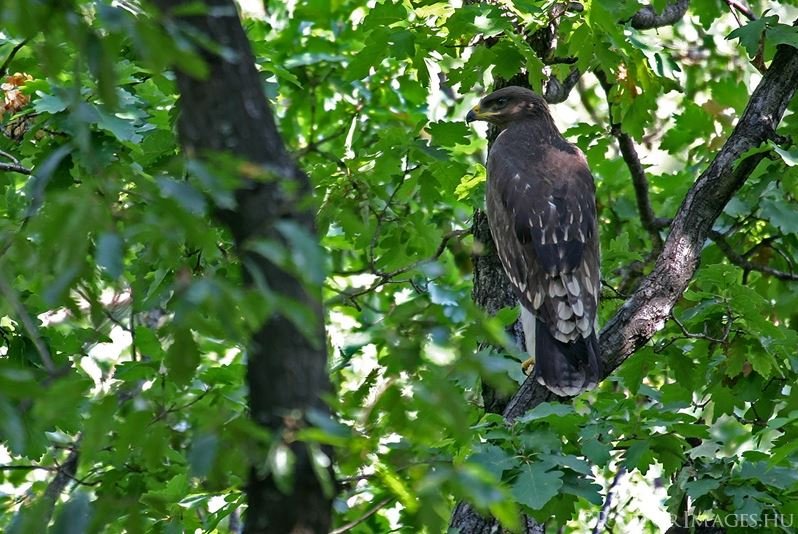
542	213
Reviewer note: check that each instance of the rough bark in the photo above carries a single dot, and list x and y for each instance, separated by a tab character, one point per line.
227	112
647	310
492	292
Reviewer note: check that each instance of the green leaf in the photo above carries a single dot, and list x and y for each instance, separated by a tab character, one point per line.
781	213
545	410
281	463
12	429
750	34
692	124
471	182
493	459
790	157
535	486
584	488
597	452
449	133
183	357
306	254
187	196
74	515
783	34
48	103
109	254
123	129
639	456
202	454
699	488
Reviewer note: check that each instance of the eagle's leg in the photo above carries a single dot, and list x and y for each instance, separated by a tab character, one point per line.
528	323
527	366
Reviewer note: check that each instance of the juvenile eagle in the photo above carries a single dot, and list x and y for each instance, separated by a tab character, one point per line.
542	214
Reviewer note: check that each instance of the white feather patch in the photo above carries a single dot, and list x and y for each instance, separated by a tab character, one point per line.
573	286
528	323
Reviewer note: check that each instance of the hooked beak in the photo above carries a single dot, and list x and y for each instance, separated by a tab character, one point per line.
476	114
473	115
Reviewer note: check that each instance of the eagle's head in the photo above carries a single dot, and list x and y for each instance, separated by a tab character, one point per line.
507	105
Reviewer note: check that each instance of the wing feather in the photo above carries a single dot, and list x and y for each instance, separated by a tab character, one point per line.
542	214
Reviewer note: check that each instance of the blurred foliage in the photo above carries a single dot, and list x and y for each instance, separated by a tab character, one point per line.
124	322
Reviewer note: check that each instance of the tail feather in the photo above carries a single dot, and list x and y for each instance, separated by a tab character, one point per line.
566	369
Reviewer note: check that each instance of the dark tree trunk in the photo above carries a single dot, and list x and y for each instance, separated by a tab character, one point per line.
227	112
492	292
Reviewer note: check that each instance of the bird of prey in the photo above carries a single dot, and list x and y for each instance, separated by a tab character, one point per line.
542	213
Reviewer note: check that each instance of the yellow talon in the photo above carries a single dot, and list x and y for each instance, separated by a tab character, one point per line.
527	365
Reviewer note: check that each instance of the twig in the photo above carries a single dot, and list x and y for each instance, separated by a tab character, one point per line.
174	408
617	293
742	8
640	183
9	156
385	278
693	335
13	167
10	57
602	518
745	264
313	145
381	216
27	468
349	526
25	318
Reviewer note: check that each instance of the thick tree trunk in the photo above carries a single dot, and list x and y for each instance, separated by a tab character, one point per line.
227	112
492	292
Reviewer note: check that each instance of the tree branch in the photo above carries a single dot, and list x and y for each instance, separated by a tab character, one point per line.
647	310
14	166
557	91
745	264
605	508
543	42
742	8
38	516
12	297
647	18
639	180
376	508
10	57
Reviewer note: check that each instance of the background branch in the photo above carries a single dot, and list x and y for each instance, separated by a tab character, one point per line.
745	264
627	148
742	8
14	167
10	57
647	18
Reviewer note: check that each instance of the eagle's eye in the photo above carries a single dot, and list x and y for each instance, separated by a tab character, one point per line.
501	102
